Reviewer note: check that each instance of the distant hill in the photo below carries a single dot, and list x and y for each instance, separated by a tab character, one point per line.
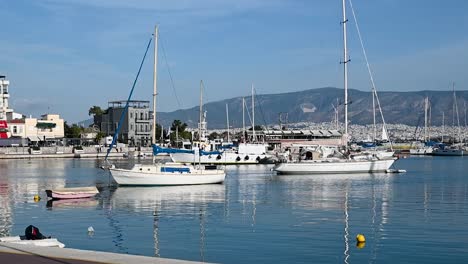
315	105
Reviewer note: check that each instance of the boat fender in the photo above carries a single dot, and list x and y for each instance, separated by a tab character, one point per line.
258	158
218	157
209	156
246	157
238	158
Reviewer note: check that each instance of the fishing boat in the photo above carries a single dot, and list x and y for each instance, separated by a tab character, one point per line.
345	162
72	193
162	173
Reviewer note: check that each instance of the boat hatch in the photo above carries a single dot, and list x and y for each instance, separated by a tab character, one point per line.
172	169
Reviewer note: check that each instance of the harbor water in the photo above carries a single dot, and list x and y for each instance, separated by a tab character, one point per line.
254	217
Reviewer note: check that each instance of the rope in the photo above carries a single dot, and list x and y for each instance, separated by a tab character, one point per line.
374	91
170	74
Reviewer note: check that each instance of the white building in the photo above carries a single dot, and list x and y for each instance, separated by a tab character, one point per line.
4	95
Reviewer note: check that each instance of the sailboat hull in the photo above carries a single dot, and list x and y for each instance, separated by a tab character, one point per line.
448	152
334	167
154	176
223	158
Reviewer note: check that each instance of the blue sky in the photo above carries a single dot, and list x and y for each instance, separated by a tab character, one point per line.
66	56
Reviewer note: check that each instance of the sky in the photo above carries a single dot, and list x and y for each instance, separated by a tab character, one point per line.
66	56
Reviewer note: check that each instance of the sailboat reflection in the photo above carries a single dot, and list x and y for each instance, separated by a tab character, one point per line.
340	192
170	201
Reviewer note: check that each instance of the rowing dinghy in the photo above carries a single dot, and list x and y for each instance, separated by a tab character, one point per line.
72	193
48	242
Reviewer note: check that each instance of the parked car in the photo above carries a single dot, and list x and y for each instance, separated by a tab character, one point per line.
35	150
78	149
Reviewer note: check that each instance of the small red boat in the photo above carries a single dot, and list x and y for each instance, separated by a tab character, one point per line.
72	193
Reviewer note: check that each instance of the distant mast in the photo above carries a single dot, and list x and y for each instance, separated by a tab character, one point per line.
243	119
227	121
345	63
253	115
426	107
201	115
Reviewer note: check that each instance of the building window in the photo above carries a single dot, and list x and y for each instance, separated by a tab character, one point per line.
15	130
131	126
131	115
141	116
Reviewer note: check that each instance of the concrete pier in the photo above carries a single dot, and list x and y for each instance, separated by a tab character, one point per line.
68	152
14	253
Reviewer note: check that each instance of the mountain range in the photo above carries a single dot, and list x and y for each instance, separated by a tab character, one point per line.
316	105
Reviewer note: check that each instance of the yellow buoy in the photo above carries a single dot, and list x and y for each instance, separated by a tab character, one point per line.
360	244
37	198
360	238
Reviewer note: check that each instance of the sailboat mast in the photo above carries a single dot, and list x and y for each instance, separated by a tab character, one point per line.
227	121
243	118
426	100
373	113
456	111
253	115
155	80
443	126
345	63
201	113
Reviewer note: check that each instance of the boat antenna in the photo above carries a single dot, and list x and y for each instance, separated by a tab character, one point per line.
124	112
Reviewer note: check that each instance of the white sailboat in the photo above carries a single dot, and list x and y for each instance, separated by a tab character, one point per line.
425	149
454	150
164	173
347	163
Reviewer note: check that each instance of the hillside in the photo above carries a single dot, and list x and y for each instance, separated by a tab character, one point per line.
315	105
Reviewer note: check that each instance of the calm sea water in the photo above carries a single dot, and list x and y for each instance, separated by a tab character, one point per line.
254	217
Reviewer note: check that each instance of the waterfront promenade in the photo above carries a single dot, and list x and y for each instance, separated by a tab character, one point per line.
68	152
13	253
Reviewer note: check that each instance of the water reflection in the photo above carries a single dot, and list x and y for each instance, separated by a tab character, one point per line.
72	203
266	218
170	201
352	194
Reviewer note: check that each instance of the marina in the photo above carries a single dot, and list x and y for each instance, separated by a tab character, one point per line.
304	218
250	132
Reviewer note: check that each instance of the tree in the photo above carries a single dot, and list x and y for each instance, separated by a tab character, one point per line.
95	110
99	136
179	127
213	135
159	131
177	124
73	131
